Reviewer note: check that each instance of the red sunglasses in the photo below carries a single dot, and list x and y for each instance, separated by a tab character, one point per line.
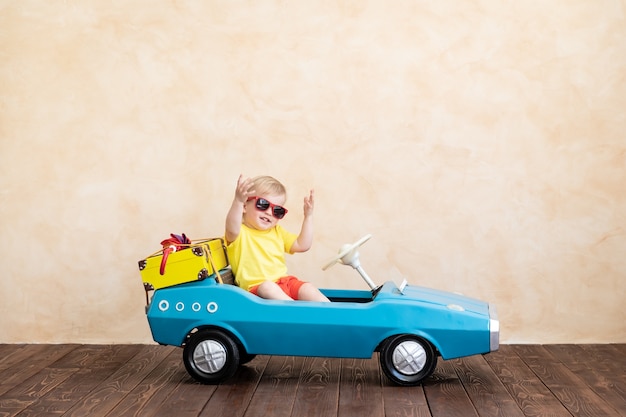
262	204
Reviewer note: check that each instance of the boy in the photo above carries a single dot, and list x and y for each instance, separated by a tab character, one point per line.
256	243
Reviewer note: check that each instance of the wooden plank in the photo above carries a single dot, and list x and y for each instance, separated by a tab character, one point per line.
484	388
232	397
318	388
620	347
361	389
23	395
399	401
533	353
597	357
113	389
605	378
276	391
7	349
146	398
31	360
187	399
531	395
404	401
606	358
95	363
446	395
13	354
568	388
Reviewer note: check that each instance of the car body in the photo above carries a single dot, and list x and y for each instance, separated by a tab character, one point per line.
222	326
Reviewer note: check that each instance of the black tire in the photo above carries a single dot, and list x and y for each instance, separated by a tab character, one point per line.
407	359
211	356
245	358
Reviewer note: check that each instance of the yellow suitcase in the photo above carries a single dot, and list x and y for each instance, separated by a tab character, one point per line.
199	261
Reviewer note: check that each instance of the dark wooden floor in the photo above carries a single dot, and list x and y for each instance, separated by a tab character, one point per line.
150	380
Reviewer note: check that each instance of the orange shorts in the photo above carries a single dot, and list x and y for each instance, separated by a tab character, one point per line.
290	286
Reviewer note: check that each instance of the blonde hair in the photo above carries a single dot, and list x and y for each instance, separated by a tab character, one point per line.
264	184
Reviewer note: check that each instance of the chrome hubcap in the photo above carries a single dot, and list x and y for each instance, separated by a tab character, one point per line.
209	356
409	357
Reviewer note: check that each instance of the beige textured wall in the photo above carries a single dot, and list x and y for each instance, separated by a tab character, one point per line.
483	143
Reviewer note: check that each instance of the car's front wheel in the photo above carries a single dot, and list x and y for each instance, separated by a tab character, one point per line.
211	356
407	359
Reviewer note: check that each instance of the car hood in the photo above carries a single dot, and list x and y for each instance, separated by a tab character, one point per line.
452	301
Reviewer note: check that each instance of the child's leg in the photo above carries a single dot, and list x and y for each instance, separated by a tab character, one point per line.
271	291
309	292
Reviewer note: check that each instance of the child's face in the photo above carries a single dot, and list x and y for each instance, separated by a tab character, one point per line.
261	219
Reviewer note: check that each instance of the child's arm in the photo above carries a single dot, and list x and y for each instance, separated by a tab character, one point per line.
305	238
233	218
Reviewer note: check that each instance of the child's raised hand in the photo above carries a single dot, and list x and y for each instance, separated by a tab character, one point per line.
244	189
309	203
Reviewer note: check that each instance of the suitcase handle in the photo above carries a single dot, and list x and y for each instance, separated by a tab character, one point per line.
166	254
172	244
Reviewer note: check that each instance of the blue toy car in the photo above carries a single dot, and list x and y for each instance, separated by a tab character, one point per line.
222	326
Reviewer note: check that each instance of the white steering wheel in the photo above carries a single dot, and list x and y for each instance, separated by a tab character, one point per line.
348	253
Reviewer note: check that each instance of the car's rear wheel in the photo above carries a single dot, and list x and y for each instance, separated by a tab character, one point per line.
407	359
211	356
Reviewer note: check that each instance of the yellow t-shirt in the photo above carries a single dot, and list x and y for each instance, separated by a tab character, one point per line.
259	255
